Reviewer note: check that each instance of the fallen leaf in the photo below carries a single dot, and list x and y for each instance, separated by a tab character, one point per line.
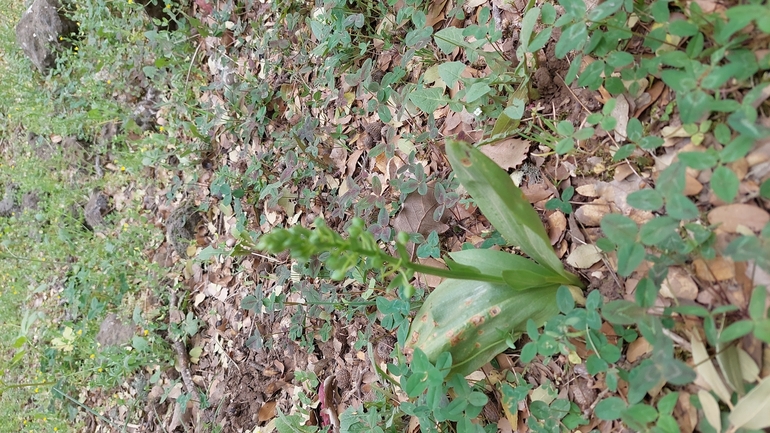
591	214
678	285
710	409
620	113
431	280
509	153
584	256
717	269
637	349
416	215
267	411
706	371
732	216
557	223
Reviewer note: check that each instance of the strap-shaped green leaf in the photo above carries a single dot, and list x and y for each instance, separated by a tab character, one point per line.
518	272
504	205
473	319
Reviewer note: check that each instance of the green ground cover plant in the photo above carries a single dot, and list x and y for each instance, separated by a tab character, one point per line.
274	107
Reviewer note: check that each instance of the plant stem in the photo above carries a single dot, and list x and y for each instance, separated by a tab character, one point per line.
424	269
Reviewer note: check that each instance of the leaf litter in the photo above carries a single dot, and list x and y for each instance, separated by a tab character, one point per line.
246	359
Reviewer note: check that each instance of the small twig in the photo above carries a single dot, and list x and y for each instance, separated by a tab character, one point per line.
86	408
684	344
182	359
189	69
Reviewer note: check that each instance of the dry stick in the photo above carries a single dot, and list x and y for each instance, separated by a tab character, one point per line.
182	360
189	69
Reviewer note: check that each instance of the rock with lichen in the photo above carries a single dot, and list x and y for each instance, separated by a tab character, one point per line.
181	227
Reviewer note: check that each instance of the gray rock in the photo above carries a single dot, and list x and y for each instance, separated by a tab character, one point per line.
9	205
96	208
30	200
39	32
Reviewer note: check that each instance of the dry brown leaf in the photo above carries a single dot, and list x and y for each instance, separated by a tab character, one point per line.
557	223
591	214
267	411
732	217
509	153
622	172
760	154
637	349
678	285
416	215
620	113
436	12
584	256
588	190
685	413
717	269
536	192
691	186
655	91
431	280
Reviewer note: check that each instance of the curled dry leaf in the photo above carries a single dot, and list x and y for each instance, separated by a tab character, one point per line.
557	223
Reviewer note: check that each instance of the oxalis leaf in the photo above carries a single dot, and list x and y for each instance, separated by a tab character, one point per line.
504	205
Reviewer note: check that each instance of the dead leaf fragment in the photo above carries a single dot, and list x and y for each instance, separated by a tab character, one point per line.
416	216
584	256
508	153
557	223
710	409
732	216
591	214
637	349
717	269
267	411
678	285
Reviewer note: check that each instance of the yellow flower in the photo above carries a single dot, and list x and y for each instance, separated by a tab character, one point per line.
122	168
146	332
92	356
80	332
